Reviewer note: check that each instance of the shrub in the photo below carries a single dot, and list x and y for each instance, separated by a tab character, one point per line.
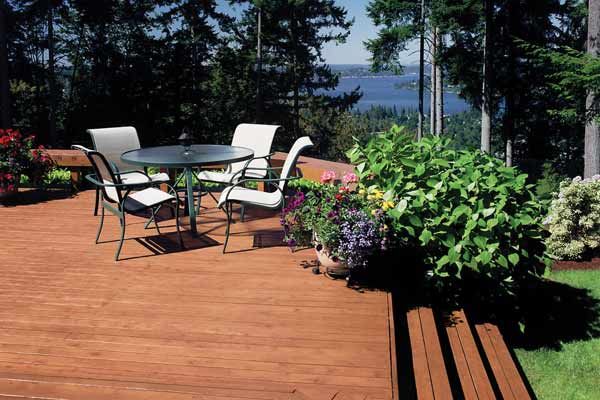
548	185
574	219
19	156
464	211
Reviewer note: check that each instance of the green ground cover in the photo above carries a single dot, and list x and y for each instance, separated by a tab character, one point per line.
572	370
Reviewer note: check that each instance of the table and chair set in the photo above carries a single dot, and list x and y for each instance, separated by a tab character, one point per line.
123	185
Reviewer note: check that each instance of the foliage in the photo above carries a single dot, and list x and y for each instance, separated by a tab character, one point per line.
57	176
165	65
575	74
548	185
19	156
338	218
303	185
574	219
463	210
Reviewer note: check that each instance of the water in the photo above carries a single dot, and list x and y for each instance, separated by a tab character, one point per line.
382	91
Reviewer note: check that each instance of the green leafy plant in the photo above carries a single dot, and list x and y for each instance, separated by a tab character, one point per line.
464	211
57	176
574	219
304	185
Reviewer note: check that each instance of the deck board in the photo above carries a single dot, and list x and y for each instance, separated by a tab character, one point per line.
170	324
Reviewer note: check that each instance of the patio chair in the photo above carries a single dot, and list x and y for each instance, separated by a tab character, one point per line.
238	194
122	198
112	142
256	137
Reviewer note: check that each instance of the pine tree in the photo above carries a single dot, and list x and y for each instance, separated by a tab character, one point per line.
294	74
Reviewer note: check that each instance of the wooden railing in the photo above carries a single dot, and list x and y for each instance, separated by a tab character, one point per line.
311	168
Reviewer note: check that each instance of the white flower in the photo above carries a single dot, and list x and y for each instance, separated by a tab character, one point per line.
577	179
596	178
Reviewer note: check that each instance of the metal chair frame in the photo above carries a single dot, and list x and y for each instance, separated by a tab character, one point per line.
118	207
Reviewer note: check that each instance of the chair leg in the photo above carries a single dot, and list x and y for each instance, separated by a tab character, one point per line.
122	221
176	210
213	196
227	210
101	225
242	212
153	218
97	201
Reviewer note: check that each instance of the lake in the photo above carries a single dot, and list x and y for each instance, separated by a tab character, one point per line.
381	90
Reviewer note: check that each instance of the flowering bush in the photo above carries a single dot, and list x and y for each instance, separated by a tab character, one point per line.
18	156
340	219
574	219
464	212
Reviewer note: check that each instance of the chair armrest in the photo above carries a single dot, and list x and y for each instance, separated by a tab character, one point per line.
134	171
81	148
92	178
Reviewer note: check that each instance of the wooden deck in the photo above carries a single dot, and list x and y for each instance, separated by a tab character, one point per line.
169	324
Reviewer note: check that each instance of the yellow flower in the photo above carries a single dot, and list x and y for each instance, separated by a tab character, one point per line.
379	194
362	191
386	205
373	212
370	197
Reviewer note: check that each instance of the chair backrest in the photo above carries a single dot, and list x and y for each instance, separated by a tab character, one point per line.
112	142
257	137
105	174
289	165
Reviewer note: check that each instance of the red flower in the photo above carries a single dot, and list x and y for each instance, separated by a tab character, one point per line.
339	197
4	140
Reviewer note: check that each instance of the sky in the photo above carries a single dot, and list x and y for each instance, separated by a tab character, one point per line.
353	51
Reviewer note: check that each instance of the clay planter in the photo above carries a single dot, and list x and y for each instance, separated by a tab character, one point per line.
330	265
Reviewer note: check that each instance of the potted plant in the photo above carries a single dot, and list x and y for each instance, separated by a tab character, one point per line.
19	156
337	220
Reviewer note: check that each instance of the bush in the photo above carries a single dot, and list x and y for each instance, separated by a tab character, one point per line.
548	185
574	219
464	211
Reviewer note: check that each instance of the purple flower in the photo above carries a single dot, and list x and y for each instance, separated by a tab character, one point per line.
360	237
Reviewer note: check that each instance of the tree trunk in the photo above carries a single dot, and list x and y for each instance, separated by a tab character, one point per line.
421	70
51	77
592	128
259	67
439	87
432	83
509	98
5	121
486	112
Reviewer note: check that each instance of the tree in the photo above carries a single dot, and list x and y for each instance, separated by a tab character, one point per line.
486	91
401	22
5	120
592	127
294	74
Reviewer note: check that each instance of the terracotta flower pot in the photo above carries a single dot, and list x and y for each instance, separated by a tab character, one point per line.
330	265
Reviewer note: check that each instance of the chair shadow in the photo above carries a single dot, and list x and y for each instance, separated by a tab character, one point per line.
36	196
168	243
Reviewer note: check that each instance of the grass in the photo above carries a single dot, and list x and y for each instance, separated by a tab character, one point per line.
573	371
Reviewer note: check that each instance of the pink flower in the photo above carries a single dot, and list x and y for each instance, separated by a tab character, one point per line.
349	177
328	176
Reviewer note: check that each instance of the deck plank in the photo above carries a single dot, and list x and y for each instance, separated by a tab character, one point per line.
170	324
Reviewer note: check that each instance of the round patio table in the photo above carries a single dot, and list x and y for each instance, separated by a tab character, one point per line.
179	157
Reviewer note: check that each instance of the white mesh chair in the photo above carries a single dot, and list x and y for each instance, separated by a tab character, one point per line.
122	198
256	137
238	194
112	142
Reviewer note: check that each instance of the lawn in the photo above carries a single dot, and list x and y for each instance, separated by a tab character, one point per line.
573	371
